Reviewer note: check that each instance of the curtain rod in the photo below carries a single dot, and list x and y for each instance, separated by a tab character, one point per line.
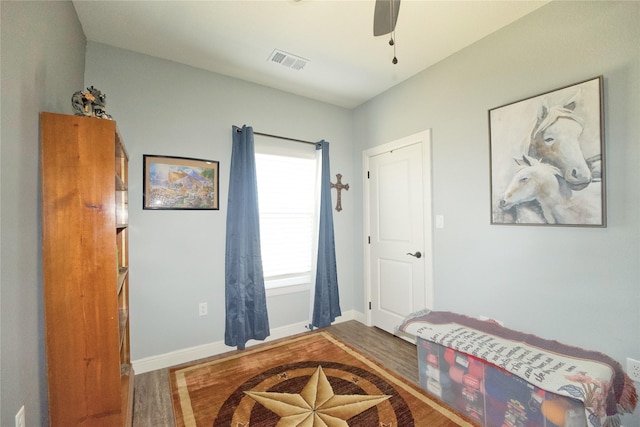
238	129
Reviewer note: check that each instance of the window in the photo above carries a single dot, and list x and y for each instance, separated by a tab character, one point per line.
286	175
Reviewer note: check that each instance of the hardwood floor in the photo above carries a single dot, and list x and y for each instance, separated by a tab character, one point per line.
152	398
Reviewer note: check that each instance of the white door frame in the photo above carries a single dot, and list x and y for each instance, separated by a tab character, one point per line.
424	138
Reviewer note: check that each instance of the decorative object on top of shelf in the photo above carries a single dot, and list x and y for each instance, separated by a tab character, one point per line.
339	186
90	103
180	183
557	141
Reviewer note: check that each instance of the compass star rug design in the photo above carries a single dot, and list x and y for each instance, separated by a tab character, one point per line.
310	380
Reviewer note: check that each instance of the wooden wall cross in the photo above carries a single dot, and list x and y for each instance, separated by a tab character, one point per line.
339	186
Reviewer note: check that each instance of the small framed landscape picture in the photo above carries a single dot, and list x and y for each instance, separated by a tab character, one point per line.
180	183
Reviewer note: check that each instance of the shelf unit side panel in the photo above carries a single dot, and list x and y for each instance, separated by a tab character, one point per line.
79	269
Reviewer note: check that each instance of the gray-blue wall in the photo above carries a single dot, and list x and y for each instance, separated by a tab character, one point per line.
177	257
577	285
43	50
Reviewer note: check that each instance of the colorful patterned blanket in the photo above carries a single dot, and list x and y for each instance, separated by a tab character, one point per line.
591	377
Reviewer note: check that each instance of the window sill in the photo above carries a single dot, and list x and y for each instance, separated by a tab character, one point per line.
289	289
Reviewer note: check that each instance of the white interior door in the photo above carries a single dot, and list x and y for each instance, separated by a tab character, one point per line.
399	230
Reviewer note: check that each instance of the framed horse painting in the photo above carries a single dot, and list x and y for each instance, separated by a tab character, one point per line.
547	158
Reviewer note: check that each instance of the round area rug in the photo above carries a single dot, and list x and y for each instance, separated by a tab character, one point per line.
315	393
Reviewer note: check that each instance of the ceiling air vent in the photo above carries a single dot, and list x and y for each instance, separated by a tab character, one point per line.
288	60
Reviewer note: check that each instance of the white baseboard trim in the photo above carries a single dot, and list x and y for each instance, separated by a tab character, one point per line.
360	317
189	354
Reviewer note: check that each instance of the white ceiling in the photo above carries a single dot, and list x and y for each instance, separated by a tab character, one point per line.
347	64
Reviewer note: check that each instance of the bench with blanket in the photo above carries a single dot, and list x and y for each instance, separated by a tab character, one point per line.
503	377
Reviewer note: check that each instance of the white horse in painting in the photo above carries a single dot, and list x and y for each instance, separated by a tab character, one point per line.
555	139
554	200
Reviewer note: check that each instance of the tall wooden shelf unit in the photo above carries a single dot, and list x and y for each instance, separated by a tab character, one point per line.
85	255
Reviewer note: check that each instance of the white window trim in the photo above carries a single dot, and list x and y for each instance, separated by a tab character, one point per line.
288	289
288	285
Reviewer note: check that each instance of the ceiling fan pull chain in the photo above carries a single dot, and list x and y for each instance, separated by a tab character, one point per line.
393	32
379	21
391	21
395	59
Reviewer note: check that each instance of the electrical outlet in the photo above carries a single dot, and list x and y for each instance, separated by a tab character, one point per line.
202	309
633	369
20	422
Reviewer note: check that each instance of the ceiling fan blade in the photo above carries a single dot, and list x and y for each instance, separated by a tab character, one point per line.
385	16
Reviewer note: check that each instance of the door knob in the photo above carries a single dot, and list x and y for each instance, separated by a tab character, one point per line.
417	254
